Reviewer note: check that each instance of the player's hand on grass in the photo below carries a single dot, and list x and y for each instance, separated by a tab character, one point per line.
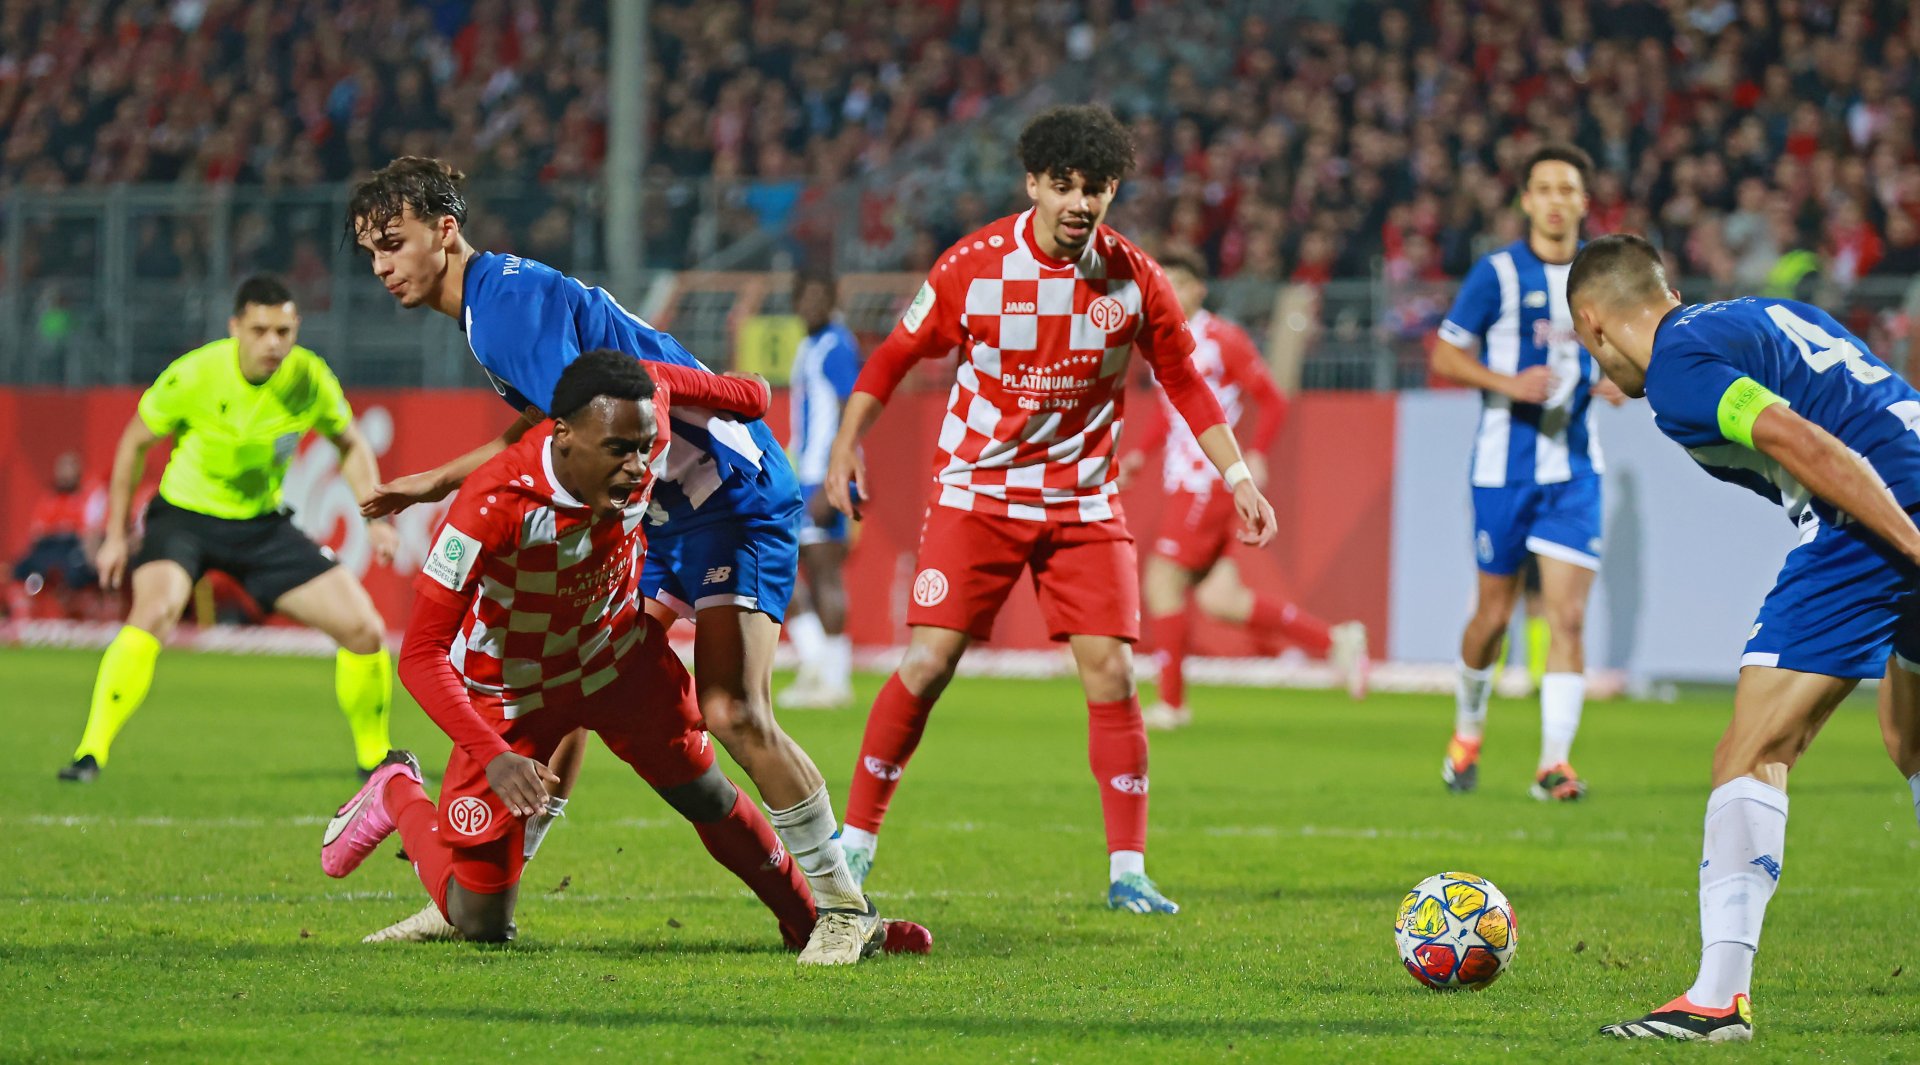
522	783
847	480
385	541
110	560
1607	390
392	497
1256	515
1531	385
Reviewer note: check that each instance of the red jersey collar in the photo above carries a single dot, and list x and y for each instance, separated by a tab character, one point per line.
1024	228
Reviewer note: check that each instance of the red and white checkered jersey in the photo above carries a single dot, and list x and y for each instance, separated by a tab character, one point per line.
1230	364
552	597
1044	344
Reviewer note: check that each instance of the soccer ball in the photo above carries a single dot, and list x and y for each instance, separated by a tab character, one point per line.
1455	930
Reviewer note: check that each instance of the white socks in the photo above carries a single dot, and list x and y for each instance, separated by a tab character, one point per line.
808	638
807	829
1120	863
1914	782
1470	702
836	661
1746	835
858	839
1561	697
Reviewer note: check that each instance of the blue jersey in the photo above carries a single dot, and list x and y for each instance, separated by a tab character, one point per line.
525	321
1513	306
824	369
1799	353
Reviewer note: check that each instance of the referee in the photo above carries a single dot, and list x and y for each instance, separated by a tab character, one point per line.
236	410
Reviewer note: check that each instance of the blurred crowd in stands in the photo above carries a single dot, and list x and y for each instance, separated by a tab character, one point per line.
1758	141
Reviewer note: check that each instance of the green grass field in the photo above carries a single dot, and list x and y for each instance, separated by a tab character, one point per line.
176	911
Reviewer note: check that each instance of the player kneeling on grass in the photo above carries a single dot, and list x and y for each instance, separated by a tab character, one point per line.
236	410
527	626
1778	397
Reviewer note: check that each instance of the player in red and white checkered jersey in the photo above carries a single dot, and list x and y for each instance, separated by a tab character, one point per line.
1189	556
1046	308
528	625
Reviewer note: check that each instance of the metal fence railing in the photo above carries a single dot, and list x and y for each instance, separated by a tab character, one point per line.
108	286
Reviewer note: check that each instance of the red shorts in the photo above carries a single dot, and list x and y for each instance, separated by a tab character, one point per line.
1197	529
1086	574
648	716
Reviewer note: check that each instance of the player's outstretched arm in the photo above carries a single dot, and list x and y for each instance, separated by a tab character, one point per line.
361	468
129	461
428	675
746	394
1531	385
1257	520
847	483
1823	464
392	497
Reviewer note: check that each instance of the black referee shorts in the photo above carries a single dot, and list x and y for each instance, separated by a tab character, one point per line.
267	554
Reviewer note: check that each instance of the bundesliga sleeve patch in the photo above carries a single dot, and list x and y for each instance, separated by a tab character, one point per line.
451	560
1740	407
917	311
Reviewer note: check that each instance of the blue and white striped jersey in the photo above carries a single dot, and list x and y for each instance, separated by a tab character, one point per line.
824	368
1514	307
525	322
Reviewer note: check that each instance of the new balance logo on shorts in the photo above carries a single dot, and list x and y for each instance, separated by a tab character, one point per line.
1769	863
469	816
881	770
718	575
1131	783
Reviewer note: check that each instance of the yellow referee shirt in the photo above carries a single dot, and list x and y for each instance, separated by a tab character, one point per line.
235	438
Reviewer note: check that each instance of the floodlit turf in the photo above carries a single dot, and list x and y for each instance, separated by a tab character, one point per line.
176	910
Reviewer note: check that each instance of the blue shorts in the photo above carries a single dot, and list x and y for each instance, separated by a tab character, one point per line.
1560	521
833	532
747	562
1843	602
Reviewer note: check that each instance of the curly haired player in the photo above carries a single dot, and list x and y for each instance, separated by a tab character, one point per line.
1046	308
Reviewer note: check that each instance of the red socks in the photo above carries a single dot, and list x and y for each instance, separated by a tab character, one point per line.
1295	624
894	727
419	824
1170	640
745	843
1117	750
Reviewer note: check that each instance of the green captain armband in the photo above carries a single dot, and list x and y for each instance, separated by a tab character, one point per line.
1740	405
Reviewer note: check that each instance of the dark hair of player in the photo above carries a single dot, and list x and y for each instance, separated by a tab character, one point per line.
263	289
603	372
1619	266
825	278
1077	137
1186	260
1560	153
429	187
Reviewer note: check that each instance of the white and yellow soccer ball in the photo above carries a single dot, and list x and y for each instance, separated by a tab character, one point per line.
1456	930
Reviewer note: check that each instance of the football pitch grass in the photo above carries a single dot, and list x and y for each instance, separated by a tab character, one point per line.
175	910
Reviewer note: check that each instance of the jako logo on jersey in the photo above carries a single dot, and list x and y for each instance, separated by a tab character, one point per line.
718	575
881	770
930	587
469	816
1017	307
1769	863
1106	314
1130	783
